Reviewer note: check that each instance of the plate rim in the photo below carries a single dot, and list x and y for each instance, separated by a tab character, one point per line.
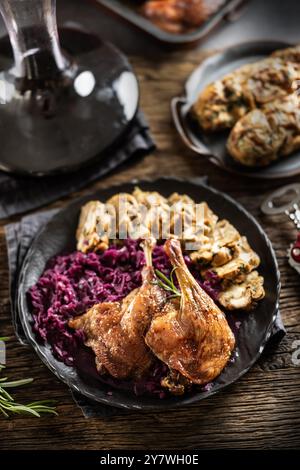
161	405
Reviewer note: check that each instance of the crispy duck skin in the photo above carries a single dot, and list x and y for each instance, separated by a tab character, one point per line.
265	135
115	330
192	335
177	16
223	102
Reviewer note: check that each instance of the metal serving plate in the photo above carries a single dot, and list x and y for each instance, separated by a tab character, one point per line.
213	145
230	11
59	236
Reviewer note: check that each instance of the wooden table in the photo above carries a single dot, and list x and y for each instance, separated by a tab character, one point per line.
262	410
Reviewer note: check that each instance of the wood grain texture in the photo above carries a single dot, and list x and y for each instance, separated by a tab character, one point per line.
262	410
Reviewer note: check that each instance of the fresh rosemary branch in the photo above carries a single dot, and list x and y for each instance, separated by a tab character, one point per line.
167	283
8	405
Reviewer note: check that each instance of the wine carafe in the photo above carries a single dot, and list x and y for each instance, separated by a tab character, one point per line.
63	102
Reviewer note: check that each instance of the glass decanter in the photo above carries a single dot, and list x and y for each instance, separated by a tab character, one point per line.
62	104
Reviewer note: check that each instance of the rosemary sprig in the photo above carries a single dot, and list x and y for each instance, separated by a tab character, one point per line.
167	283
8	405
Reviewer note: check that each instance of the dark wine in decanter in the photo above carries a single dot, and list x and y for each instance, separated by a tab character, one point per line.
63	102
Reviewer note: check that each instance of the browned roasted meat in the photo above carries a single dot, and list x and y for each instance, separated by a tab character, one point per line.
264	135
192	335
177	16
115	330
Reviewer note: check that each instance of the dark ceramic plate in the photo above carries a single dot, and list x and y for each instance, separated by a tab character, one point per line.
58	235
128	11
213	146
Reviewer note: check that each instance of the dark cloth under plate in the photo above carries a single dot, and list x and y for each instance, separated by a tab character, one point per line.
19	237
22	194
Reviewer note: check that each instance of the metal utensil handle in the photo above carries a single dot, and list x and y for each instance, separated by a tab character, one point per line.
269	206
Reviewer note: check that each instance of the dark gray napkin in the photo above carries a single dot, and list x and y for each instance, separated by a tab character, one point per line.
21	194
19	237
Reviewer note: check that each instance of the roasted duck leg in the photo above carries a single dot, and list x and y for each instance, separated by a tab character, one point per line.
192	335
115	330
